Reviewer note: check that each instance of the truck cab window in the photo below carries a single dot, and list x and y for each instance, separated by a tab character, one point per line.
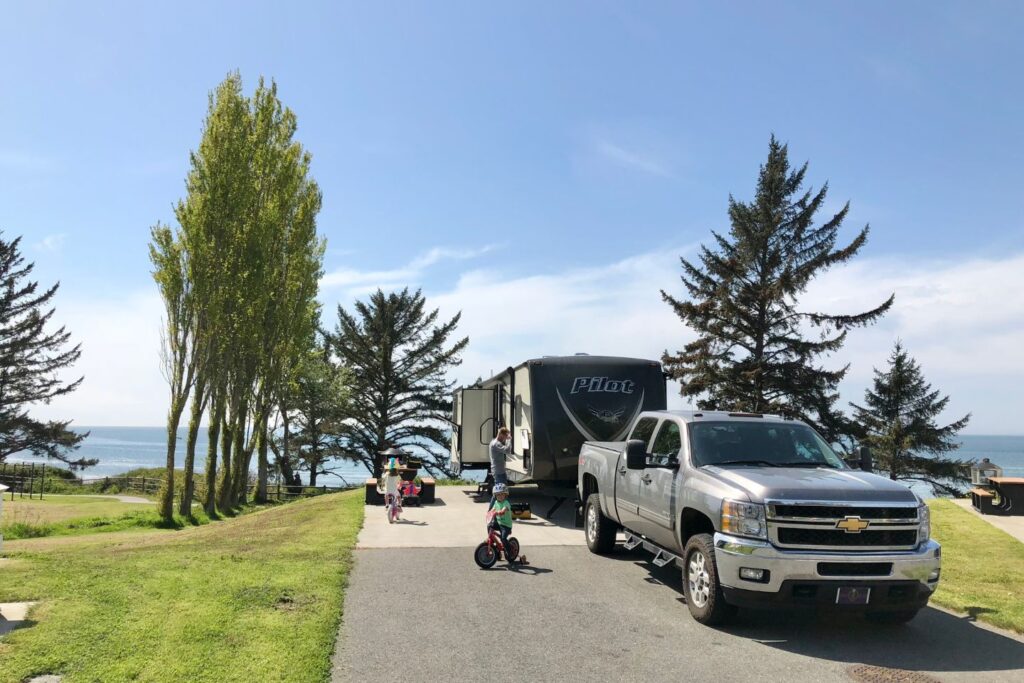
643	429
667	445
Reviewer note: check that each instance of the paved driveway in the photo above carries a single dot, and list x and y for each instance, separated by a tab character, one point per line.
428	613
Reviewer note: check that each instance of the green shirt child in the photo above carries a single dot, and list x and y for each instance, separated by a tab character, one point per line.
503	512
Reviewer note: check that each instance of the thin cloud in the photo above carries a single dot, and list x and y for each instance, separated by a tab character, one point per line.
51	243
356	282
632	159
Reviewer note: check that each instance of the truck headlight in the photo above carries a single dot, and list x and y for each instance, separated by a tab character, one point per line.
744	519
924	532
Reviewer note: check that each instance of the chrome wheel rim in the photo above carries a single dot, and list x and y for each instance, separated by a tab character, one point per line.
591	524
699	579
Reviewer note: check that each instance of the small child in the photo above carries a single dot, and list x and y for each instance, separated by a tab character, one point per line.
389	485
502	516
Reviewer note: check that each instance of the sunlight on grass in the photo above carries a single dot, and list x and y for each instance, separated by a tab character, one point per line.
257	597
982	567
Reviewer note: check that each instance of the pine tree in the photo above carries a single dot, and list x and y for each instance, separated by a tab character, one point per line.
397	355
899	426
318	403
30	358
753	352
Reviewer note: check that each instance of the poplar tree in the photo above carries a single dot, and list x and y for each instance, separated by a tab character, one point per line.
31	356
398	354
249	261
898	422
756	350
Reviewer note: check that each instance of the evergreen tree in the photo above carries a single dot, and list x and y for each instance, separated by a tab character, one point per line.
753	352
30	358
898	424
319	405
398	355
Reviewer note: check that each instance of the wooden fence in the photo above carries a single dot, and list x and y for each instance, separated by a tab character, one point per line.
30	479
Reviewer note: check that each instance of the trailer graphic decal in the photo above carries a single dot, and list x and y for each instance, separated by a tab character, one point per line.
609	416
590	435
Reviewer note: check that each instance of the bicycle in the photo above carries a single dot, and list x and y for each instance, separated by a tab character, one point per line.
393	507
490	551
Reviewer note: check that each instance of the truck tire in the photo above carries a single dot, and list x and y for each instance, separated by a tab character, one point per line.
894	618
599	530
703	591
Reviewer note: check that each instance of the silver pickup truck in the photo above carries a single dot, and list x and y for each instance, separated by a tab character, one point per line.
759	511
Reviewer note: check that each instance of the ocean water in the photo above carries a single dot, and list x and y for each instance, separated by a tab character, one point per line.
120	449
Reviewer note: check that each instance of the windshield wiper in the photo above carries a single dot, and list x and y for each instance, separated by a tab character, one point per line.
803	463
752	463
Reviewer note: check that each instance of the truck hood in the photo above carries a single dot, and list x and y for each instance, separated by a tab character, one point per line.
821	484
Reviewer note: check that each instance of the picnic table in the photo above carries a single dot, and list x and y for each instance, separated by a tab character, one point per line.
1010	493
984	501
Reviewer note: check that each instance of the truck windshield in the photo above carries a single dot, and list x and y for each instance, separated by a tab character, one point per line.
760	444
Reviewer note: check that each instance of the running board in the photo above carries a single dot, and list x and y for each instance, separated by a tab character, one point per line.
661	556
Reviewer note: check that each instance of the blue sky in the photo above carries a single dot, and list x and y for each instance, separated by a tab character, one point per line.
550	160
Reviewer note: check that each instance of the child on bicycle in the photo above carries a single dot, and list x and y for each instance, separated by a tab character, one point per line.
502	516
389	483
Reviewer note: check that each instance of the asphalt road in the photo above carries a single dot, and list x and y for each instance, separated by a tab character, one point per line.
420	613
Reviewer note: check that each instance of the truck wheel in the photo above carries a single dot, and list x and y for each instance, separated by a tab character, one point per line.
599	530
703	592
899	617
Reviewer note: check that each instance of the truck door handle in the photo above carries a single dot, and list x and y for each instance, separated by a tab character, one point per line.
622	471
646	479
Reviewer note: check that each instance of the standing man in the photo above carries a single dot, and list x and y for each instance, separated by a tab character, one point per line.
499	452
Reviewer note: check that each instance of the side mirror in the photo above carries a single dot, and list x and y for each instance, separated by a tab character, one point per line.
867	463
636	454
861	459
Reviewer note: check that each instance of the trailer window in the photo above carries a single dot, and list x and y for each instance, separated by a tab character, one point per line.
667	445
644	428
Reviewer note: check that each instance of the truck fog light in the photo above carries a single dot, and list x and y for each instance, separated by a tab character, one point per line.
751	574
934	576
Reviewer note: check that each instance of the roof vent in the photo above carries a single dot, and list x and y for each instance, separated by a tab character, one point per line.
581	354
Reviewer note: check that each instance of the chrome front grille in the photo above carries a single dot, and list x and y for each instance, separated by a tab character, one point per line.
853	527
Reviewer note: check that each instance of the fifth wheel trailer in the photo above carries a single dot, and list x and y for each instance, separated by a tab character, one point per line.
552	405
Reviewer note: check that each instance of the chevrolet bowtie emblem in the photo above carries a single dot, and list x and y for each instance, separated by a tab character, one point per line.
853	525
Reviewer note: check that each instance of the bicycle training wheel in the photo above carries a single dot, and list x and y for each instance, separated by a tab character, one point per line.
485	555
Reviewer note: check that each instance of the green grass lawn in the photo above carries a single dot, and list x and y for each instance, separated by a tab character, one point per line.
982	567
57	515
59	508
254	598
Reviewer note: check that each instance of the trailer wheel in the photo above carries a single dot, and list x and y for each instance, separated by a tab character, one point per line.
599	530
703	591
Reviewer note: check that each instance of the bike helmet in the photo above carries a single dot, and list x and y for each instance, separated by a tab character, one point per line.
500	488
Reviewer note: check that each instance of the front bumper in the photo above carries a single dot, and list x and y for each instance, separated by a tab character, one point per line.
793	577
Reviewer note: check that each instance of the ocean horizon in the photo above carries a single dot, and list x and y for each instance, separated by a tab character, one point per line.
120	449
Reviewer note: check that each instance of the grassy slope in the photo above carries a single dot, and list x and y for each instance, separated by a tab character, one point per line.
59	515
248	599
55	508
982	567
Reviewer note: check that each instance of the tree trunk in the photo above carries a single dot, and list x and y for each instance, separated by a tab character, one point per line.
224	488
240	470
167	493
213	432
261	464
188	485
314	465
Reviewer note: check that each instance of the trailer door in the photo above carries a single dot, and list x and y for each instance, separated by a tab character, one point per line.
476	426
